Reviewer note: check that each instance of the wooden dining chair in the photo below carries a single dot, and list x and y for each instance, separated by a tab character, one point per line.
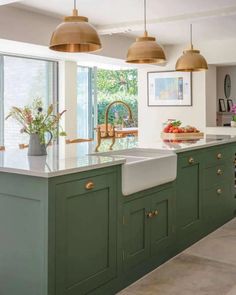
78	140
23	146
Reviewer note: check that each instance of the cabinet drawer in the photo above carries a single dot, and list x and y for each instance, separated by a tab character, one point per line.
218	155
217	203
217	174
84	185
189	159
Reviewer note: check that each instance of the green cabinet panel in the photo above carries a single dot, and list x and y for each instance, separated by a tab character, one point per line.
136	235
162	224
86	234
189	196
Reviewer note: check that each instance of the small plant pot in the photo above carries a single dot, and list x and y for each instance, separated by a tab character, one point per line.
233	123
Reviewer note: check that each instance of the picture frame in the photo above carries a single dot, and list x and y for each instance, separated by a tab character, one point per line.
229	104
222	106
169	88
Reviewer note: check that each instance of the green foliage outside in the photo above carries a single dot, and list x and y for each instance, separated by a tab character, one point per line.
117	85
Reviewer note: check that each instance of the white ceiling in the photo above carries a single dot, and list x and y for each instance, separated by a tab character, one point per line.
168	20
4	2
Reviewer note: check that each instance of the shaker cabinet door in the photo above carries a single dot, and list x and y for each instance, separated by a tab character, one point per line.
162	225
86	229
136	234
189	199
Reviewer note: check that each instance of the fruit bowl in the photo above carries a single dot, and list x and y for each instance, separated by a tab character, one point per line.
174	131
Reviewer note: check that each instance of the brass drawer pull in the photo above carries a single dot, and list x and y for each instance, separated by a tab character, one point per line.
191	160
219	172
219	156
149	215
89	185
155	213
219	191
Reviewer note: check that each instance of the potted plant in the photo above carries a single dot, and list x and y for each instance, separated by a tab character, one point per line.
233	121
37	122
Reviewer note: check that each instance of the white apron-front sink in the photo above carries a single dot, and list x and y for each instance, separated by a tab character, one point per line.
145	168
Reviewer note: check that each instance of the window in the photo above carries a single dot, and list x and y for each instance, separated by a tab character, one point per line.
23	80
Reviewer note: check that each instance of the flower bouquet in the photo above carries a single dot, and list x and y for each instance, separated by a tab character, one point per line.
38	122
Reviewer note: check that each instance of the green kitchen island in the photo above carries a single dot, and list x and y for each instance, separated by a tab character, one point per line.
66	228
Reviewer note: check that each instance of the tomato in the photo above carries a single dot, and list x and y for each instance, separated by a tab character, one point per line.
166	129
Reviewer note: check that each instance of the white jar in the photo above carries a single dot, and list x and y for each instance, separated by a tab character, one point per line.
233	123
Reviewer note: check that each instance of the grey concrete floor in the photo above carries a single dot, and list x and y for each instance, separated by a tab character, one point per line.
206	268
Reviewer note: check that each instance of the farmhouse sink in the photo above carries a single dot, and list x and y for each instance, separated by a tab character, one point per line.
145	168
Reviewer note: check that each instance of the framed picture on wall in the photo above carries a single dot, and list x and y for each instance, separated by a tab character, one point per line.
169	88
222	107
229	104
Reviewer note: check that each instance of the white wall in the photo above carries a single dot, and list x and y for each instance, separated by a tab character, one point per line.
211	94
221	72
151	118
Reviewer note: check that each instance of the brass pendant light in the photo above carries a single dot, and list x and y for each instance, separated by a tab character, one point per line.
75	34
145	50
191	60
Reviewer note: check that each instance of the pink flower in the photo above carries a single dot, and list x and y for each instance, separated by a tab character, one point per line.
233	109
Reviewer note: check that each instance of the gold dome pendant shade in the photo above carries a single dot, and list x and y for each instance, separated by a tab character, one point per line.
145	50
75	34
191	60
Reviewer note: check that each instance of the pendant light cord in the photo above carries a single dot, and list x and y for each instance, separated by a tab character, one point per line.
145	17
191	35
74	4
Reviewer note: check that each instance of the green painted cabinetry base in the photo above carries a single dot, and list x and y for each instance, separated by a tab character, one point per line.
77	234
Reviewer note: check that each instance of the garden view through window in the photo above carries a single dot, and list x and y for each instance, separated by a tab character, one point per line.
97	88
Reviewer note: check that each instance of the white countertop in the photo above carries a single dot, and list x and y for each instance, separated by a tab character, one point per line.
74	158
17	161
183	146
227	130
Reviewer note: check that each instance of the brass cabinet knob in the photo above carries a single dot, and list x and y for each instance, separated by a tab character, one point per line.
89	185
149	215
156	212
219	172
219	191
219	156
191	160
